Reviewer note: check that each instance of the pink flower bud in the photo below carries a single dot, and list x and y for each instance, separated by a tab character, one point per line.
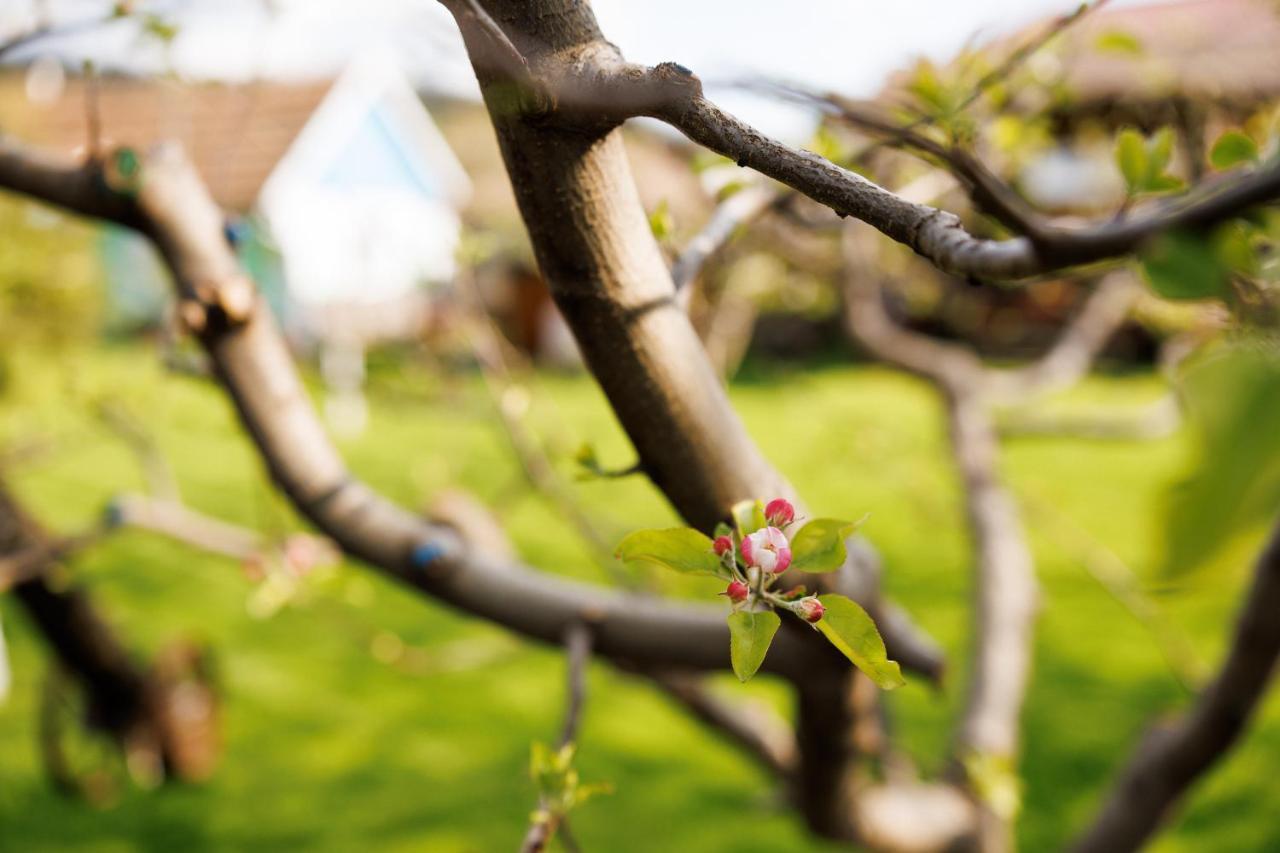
723	545
810	610
779	512
767	549
737	591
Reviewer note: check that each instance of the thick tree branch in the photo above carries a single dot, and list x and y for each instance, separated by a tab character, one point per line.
939	236
251	360
1173	756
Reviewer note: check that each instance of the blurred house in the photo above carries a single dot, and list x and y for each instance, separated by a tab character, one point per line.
344	199
1197	66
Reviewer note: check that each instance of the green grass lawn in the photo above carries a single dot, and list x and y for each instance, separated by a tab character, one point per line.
329	747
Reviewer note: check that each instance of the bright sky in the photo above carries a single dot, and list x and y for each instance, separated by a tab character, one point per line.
846	45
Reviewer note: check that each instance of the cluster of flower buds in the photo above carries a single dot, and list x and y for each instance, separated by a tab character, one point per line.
759	557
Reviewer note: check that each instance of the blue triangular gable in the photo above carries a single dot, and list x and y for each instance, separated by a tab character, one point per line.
377	155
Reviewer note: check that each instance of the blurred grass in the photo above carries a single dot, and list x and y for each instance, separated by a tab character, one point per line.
328	748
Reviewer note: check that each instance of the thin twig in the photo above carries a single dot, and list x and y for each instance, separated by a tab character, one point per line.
1015	59
734	212
547	821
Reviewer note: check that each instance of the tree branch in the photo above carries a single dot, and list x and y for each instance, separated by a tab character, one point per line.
734	212
173	208
577	642
1004	583
1173	756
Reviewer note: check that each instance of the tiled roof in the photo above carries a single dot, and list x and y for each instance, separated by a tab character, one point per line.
235	133
1218	50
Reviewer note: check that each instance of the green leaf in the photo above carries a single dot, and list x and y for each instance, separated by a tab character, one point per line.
1232	149
749	516
679	548
1164	184
995	781
749	637
157	26
1233	403
1143	162
819	546
1183	265
661	222
1159	152
1131	157
1118	41
853	632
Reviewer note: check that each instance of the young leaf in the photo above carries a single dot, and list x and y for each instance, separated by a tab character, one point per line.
749	516
819	546
1159	152
749	637
1181	265
679	548
852	631
1233	400
1118	41
1131	157
1232	149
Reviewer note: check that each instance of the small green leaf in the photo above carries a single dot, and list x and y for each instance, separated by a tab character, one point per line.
819	546
749	637
749	516
157	26
661	222
679	548
1183	265
1159	152
1164	184
995	780
1232	149
1118	41
1131	157
1233	485
853	632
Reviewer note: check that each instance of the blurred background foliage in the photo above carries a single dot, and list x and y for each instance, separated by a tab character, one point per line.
359	715
362	715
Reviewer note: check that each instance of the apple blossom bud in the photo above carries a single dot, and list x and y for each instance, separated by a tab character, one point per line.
810	609
723	545
779	512
767	549
737	591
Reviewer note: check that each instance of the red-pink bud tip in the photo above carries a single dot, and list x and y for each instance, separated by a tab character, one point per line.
723	545
779	512
737	591
811	610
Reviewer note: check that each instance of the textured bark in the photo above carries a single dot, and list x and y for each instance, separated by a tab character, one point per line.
594	247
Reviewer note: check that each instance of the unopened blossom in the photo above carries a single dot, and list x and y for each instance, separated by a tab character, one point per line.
723	545
810	609
767	549
779	512
737	591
